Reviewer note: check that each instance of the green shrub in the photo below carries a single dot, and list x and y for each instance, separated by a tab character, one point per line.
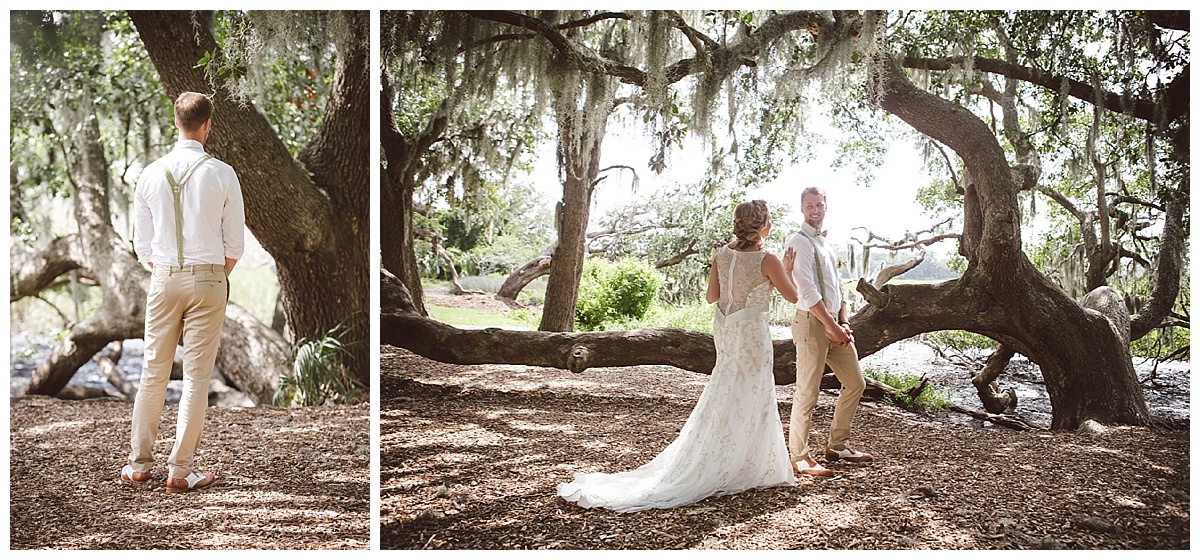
931	399
526	317
590	307
622	290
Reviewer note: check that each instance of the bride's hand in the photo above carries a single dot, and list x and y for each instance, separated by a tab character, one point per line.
789	259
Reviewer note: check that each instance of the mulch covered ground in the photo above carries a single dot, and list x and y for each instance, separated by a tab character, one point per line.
288	478
470	457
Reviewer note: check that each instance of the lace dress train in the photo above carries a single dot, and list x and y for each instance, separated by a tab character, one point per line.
733	439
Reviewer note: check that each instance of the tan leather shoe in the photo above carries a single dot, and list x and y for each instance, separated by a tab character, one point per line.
810	467
194	481
129	476
847	454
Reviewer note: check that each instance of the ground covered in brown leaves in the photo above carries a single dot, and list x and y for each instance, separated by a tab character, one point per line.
287	478
470	457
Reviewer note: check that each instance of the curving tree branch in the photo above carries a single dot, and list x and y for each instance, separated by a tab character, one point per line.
1143	109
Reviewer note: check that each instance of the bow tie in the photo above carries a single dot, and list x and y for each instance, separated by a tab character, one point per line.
823	232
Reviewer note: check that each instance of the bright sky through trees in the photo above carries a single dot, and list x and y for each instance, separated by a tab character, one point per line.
888	206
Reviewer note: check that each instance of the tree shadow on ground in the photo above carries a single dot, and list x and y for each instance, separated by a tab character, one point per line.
471	464
287	479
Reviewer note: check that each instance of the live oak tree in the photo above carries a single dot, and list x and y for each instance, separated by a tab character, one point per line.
588	65
310	210
1082	347
1090	151
454	124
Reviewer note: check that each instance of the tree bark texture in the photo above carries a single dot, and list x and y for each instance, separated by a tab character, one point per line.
694	351
394	294
579	153
1089	373
574	351
311	212
1170	104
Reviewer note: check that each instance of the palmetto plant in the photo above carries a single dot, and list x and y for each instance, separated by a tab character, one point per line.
319	374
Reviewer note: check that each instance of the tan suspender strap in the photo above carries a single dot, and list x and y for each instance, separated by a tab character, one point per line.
817	265
176	191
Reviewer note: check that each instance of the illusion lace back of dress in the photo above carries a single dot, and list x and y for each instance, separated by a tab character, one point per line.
743	285
733	438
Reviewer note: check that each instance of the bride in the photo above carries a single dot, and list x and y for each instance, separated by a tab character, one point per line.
733	439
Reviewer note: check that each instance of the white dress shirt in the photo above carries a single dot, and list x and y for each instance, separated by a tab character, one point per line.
804	274
214	219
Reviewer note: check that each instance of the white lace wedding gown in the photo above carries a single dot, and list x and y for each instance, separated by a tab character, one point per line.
733	440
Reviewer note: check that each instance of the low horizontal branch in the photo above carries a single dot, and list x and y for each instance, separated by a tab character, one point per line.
574	351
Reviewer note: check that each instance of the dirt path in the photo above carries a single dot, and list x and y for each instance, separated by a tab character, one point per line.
287	479
470	457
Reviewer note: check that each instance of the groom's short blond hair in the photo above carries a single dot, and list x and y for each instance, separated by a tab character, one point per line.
813	190
191	110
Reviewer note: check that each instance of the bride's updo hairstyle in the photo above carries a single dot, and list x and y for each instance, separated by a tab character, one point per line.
747	218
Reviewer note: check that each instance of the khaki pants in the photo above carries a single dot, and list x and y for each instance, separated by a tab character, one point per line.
813	351
188	301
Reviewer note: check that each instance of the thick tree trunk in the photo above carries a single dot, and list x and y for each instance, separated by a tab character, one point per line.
55	372
311	213
396	235
402	327
402	163
338	159
579	149
1087	367
394	296
253	357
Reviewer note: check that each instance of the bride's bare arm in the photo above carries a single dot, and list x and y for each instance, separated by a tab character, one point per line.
714	283
780	273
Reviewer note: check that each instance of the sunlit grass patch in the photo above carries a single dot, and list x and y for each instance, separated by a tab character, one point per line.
472	317
255	289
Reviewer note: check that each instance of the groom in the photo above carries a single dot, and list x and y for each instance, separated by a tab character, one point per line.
822	335
189	228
